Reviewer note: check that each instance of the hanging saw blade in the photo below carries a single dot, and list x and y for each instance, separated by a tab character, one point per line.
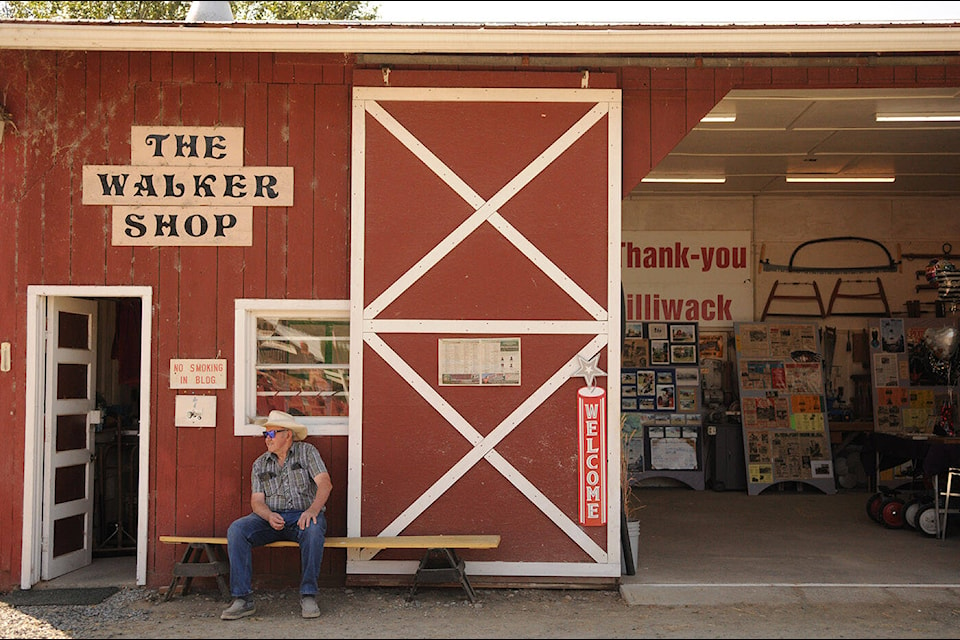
891	265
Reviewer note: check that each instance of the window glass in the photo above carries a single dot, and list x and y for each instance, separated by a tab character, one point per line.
292	356
303	366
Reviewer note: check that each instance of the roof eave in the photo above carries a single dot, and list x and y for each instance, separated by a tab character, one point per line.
482	39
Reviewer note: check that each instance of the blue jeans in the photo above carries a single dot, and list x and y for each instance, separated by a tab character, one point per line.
253	531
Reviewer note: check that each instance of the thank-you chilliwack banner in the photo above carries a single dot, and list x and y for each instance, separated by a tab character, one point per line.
673	276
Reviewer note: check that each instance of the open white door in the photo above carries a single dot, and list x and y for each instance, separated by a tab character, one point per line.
70	397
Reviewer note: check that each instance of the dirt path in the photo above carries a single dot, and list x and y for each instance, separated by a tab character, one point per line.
531	613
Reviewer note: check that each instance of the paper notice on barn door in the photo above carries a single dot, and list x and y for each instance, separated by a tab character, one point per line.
479	361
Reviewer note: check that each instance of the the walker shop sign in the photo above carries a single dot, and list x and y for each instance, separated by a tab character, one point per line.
187	186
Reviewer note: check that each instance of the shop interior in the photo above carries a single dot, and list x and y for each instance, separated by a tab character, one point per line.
850	259
116	437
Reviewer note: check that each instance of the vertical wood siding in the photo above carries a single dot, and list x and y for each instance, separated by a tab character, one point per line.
76	108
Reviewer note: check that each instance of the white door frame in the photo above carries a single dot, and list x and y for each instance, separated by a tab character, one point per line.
33	427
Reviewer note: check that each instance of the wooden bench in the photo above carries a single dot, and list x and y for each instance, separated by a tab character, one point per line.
440	562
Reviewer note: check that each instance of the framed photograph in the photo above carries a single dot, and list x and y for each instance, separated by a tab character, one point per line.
634	330
687	399
711	345
657	331
646	382
821	468
636	352
628	404
665	377
673	453
666	397
648	403
659	352
683	333
688	376
683	354
628	378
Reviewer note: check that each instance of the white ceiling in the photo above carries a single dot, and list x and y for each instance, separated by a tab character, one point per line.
828	131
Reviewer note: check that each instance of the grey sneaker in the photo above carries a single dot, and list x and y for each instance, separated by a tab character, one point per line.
241	608
308	607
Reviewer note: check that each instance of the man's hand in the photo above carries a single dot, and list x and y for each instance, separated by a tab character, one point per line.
306	519
276	520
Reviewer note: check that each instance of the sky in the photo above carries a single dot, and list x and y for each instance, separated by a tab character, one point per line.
585	11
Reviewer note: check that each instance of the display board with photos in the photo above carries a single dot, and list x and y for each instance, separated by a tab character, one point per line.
661	402
783	407
914	369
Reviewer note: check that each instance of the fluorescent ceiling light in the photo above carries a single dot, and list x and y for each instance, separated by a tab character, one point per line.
719	117
812	178
918	117
687	180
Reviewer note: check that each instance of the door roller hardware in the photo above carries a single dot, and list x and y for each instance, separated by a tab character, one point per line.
5	357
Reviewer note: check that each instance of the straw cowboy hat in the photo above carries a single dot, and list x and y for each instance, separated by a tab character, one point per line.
282	420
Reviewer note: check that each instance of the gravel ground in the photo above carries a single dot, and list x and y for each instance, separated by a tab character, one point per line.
498	613
80	621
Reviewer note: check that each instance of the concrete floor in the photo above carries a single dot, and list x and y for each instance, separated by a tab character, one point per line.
698	546
119	571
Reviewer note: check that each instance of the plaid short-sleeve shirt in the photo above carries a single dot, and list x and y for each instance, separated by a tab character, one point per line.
289	487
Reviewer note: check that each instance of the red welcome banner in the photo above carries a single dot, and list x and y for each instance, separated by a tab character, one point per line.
592	422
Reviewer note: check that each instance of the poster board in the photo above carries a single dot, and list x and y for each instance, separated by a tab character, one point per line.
783	406
913	367
661	402
478	362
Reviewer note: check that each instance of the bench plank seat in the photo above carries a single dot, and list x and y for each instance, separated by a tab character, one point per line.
440	562
371	542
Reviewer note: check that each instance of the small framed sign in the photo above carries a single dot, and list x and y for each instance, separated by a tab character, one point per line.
196	411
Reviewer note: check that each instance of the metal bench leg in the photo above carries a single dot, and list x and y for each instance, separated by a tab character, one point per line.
461	572
191	567
450	570
213	555
176	577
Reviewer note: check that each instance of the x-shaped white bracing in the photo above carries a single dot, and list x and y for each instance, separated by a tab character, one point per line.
487	211
483	447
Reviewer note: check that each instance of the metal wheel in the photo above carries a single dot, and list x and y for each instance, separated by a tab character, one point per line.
892	513
927	520
910	510
874	503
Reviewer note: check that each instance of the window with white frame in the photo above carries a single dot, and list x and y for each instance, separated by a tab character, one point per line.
292	356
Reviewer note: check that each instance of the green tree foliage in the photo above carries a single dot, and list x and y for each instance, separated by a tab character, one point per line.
161	10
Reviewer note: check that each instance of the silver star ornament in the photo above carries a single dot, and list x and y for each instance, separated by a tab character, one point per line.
587	369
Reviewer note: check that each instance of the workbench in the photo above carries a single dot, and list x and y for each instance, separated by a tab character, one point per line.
931	454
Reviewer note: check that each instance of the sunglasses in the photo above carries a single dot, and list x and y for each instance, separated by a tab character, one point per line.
272	433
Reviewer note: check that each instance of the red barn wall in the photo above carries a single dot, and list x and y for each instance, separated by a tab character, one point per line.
76	108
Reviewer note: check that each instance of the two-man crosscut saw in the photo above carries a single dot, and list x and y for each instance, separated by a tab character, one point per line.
891	265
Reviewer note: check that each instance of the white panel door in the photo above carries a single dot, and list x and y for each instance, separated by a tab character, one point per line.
70	394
